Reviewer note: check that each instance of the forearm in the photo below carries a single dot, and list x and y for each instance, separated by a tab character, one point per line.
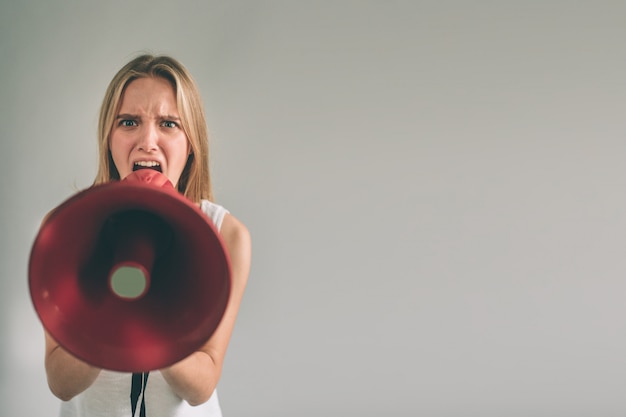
194	378
68	375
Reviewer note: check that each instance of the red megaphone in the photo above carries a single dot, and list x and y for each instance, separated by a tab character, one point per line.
129	275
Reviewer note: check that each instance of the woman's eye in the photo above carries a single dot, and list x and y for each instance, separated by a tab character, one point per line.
128	123
169	123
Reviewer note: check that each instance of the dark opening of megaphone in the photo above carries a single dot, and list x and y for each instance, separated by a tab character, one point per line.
137	239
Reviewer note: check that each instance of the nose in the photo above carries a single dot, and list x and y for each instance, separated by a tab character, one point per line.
148	139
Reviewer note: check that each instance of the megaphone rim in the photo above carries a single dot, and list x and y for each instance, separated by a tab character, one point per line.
131	196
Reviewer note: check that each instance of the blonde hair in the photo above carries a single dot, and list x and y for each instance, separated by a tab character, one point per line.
195	180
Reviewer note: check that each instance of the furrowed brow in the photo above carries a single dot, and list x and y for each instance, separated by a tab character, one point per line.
127	116
170	117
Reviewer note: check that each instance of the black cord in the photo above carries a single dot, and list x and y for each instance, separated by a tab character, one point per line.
138	387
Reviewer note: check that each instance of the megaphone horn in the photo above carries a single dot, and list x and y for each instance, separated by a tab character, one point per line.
129	275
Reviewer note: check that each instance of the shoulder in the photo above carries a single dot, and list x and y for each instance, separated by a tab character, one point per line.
235	234
214	211
238	242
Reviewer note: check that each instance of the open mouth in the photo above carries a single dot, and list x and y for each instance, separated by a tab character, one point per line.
147	165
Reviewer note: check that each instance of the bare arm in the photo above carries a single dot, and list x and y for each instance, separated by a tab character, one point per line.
195	377
67	375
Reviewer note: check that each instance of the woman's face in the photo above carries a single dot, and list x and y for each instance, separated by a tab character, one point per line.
147	133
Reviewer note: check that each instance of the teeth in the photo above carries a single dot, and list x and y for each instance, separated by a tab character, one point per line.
148	164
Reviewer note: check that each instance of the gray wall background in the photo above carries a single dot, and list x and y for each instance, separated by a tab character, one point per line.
435	189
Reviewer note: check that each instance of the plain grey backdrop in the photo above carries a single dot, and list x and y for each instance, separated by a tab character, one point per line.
436	192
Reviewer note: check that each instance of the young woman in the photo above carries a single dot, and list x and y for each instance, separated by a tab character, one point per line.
152	116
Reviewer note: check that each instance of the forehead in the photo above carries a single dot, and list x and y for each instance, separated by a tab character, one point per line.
149	93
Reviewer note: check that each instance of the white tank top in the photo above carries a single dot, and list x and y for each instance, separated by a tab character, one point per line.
109	395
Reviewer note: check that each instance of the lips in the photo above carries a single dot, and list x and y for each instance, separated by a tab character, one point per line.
154	165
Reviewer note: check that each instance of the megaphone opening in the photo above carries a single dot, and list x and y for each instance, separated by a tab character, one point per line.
137	238
129	282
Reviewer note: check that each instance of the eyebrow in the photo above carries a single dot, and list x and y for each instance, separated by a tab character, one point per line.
127	116
136	116
170	117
